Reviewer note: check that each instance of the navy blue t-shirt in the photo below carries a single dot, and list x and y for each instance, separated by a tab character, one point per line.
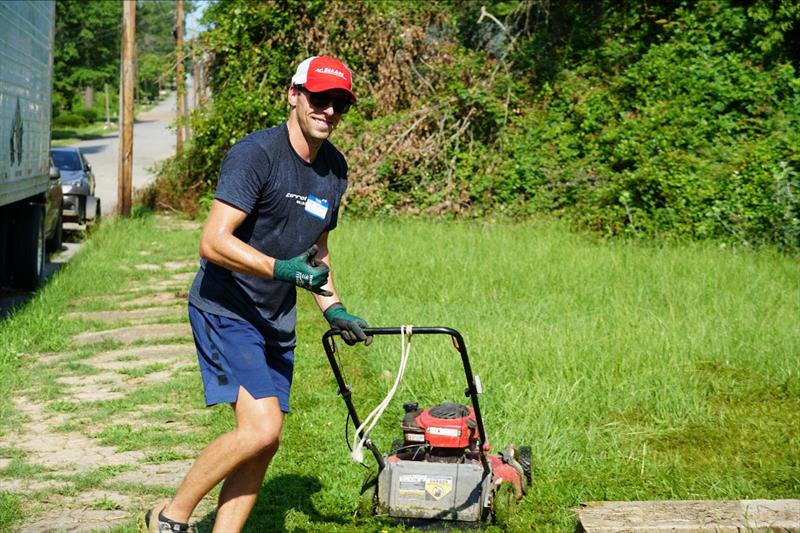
289	204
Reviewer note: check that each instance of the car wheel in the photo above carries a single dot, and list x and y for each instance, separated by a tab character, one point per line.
82	210
54	245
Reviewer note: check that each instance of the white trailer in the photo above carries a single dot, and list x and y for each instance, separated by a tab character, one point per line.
30	195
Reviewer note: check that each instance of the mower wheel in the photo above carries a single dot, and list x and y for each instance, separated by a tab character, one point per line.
524	459
368	498
504	503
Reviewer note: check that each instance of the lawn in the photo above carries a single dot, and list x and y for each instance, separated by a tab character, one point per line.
70	136
634	371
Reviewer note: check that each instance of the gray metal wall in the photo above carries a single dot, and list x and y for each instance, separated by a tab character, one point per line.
26	65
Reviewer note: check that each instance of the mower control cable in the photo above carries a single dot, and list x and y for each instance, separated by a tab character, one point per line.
372	418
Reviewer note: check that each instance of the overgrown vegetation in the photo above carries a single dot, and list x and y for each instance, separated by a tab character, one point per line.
87	57
667	119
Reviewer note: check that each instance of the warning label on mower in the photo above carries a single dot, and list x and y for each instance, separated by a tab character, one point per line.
412	486
439	487
422	487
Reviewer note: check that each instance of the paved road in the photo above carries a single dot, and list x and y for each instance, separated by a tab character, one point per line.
152	142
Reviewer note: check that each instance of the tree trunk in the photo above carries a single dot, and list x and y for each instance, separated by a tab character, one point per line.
88	97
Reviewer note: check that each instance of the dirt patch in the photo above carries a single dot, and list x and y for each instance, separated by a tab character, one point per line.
97	498
181	265
107	385
168	223
157	299
137	356
21	485
161	286
166	285
52	357
162	474
147	266
61	453
75	521
183	276
129	335
81	302
93	394
132	315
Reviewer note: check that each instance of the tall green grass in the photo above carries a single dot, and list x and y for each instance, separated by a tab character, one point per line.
633	371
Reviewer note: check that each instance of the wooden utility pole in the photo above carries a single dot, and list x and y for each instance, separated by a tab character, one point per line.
179	77
127	84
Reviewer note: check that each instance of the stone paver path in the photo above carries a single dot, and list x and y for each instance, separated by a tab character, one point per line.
61	445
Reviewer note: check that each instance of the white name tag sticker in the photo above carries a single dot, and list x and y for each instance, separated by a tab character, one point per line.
316	207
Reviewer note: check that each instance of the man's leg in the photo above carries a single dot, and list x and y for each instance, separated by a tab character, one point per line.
240	488
255	439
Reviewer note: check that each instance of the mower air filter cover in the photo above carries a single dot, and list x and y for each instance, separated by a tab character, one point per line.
448	425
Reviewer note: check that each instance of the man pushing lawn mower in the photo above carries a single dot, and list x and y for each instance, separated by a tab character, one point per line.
277	198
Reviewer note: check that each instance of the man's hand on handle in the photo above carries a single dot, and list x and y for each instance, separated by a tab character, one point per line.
351	326
305	271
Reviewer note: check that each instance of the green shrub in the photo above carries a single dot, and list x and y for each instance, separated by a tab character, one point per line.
89	115
690	140
69	120
677	120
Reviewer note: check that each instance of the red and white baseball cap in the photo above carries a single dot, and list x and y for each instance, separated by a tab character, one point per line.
323	73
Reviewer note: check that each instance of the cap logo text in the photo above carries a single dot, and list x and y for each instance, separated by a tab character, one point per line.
331	71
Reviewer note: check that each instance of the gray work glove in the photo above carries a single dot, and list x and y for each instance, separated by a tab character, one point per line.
351	326
305	271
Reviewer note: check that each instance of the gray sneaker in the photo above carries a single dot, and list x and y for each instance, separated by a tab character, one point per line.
157	523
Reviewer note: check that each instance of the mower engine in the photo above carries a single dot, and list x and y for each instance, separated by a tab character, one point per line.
438	470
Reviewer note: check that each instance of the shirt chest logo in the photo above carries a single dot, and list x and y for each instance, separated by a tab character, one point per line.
316	207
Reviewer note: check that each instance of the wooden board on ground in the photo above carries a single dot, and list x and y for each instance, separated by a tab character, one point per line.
693	516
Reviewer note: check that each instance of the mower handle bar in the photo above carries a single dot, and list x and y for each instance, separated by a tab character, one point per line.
458	344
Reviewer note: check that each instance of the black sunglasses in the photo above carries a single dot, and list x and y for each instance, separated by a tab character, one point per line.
341	105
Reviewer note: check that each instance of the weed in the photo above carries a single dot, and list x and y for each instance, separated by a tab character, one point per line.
10	510
20	469
105	504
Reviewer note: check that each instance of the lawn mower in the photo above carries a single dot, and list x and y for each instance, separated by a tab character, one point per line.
441	469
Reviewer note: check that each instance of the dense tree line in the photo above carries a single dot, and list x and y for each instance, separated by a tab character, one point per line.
661	119
87	54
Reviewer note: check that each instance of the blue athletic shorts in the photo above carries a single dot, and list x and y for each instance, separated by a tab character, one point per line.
234	352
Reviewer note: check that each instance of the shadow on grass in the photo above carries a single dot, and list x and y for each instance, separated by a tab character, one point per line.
280	496
12	300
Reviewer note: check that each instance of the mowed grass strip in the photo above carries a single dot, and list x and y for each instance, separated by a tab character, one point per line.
634	371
